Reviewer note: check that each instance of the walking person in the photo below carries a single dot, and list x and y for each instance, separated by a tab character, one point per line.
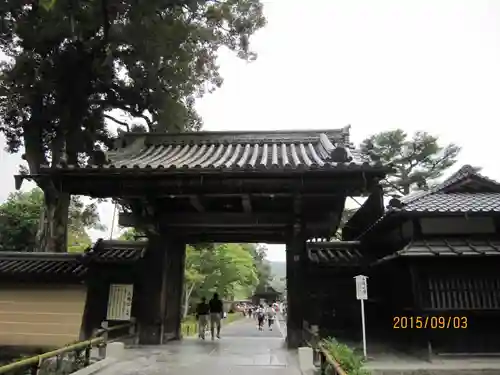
202	311
271	316
216	311
260	317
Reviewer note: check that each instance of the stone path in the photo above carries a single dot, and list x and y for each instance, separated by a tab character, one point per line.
242	350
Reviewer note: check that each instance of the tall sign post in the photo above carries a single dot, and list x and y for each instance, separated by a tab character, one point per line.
362	295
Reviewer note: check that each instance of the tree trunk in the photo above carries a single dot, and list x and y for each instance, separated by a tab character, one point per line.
187	296
52	233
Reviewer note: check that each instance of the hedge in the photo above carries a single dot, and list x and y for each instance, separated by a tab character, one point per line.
349	361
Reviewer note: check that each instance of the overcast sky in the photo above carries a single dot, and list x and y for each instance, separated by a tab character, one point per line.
430	65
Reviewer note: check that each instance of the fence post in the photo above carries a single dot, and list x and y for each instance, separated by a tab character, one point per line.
105	336
35	368
132	330
323	363
315	344
87	355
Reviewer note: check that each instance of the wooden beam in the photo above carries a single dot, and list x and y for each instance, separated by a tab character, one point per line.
224	219
112	186
247	203
233	237
209	220
196	203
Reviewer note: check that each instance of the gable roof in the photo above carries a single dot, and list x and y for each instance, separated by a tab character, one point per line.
466	179
455	202
465	191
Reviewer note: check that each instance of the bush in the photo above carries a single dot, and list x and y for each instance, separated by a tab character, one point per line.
348	360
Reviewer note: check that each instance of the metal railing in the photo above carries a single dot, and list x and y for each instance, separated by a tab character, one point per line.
321	357
78	355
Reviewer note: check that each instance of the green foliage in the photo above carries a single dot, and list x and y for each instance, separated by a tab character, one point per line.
348	360
258	253
72	63
418	160
232	270
132	234
225	269
20	215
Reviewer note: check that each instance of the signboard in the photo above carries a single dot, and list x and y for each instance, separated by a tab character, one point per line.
361	287
120	301
362	295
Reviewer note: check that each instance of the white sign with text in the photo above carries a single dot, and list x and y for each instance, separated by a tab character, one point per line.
361	287
120	302
362	295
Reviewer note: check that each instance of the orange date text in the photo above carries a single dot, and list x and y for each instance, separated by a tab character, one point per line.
429	322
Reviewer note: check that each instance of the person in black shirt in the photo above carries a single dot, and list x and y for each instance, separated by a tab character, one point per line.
202	311
216	311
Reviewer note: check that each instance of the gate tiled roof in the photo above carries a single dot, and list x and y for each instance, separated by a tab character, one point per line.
321	149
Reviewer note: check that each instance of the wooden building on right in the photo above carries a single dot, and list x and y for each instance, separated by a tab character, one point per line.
435	280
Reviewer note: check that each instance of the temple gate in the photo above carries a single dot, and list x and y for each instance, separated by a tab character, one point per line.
272	187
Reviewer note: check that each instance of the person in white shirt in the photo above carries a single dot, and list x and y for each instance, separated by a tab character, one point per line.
271	315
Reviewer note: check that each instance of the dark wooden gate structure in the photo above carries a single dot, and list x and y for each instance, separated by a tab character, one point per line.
437	255
273	187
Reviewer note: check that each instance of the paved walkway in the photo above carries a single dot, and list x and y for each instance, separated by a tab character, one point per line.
242	350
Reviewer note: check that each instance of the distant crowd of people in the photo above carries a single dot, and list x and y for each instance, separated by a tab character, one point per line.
262	313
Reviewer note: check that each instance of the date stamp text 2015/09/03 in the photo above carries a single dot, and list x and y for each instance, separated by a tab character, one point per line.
432	322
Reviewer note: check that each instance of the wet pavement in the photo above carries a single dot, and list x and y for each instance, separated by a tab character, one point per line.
242	350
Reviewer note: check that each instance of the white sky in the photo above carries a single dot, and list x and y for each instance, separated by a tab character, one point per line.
430	65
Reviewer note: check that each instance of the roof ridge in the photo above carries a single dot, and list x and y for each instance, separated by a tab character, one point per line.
345	130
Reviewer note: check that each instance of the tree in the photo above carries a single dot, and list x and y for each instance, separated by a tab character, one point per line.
193	277
71	65
258	253
132	234
417	161
20	216
227	269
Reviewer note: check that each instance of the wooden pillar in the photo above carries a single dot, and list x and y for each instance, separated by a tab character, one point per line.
176	254
160	290
150	291
295	258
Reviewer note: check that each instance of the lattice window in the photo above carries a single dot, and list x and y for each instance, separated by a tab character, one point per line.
464	293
